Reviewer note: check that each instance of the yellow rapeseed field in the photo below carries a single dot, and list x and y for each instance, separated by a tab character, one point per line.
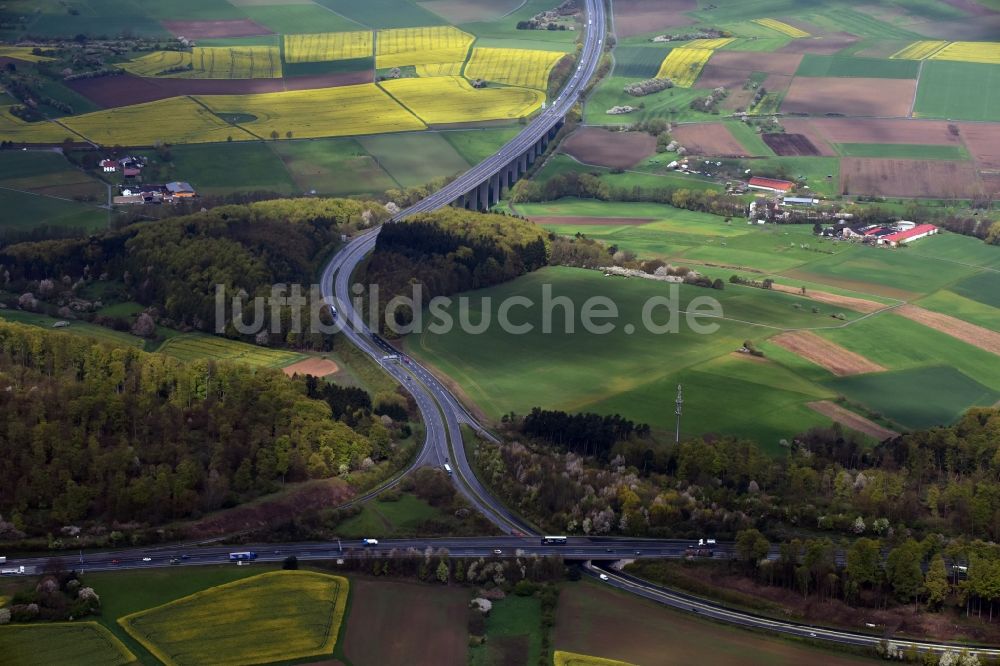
14	129
174	120
22	53
572	659
421	46
985	52
341	111
328	46
783	28
45	643
439	69
452	99
717	43
210	62
514	67
683	65
276	616
919	50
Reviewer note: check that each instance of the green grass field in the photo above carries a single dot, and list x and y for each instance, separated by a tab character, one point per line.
981	287
750	140
200	346
878	68
25	210
226	625
967	309
42	644
290	19
415	159
400	517
958	90
333	167
639	62
672	104
476	145
223	168
814	170
383	13
503	33
92	331
512	633
904	151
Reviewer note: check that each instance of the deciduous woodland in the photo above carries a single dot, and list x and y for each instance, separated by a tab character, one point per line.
93	433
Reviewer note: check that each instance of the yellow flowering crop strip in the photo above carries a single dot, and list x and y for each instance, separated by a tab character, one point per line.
561	658
14	129
984	52
717	43
421	46
514	67
339	111
22	53
783	28
683	65
451	99
439	69
276	616
198	346
173	120
48	643
919	50
210	62
328	46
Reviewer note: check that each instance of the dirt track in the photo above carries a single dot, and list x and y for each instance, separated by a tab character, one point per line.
853	421
977	336
838	360
317	367
849	302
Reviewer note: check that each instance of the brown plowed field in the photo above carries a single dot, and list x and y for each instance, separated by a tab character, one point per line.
977	336
825	45
818	96
112	91
214	29
853	421
983	141
317	367
881	130
713	76
849	302
594	221
790	144
637	17
758	61
907	178
593	145
838	360
709	139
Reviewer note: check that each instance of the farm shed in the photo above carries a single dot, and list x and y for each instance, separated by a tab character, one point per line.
919	231
799	201
109	165
179	189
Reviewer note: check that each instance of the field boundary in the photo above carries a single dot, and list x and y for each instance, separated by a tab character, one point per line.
839	361
851	420
973	334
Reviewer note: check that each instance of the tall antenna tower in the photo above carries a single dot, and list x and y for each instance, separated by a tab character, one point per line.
680	404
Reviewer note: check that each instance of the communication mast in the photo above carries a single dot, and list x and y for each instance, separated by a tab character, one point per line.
680	403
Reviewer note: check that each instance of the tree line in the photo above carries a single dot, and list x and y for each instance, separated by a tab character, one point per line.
587	433
453	250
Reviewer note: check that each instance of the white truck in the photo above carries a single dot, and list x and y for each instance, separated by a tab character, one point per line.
369	542
12	571
3	560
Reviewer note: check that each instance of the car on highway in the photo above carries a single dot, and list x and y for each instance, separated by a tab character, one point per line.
147	559
175	560
812	634
497	551
116	561
603	576
609	550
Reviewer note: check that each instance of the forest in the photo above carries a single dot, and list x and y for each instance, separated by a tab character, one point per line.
453	250
175	264
96	435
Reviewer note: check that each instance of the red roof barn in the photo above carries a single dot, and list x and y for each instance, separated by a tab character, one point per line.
916	232
109	165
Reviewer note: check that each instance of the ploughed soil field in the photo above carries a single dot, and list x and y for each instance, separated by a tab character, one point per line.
621	150
882	130
838	360
983	141
637	17
710	139
907	178
853	421
977	336
113	91
215	29
849	96
758	61
849	302
790	144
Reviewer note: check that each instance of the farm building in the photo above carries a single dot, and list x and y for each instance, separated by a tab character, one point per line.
770	184
179	189
109	166
799	201
899	237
